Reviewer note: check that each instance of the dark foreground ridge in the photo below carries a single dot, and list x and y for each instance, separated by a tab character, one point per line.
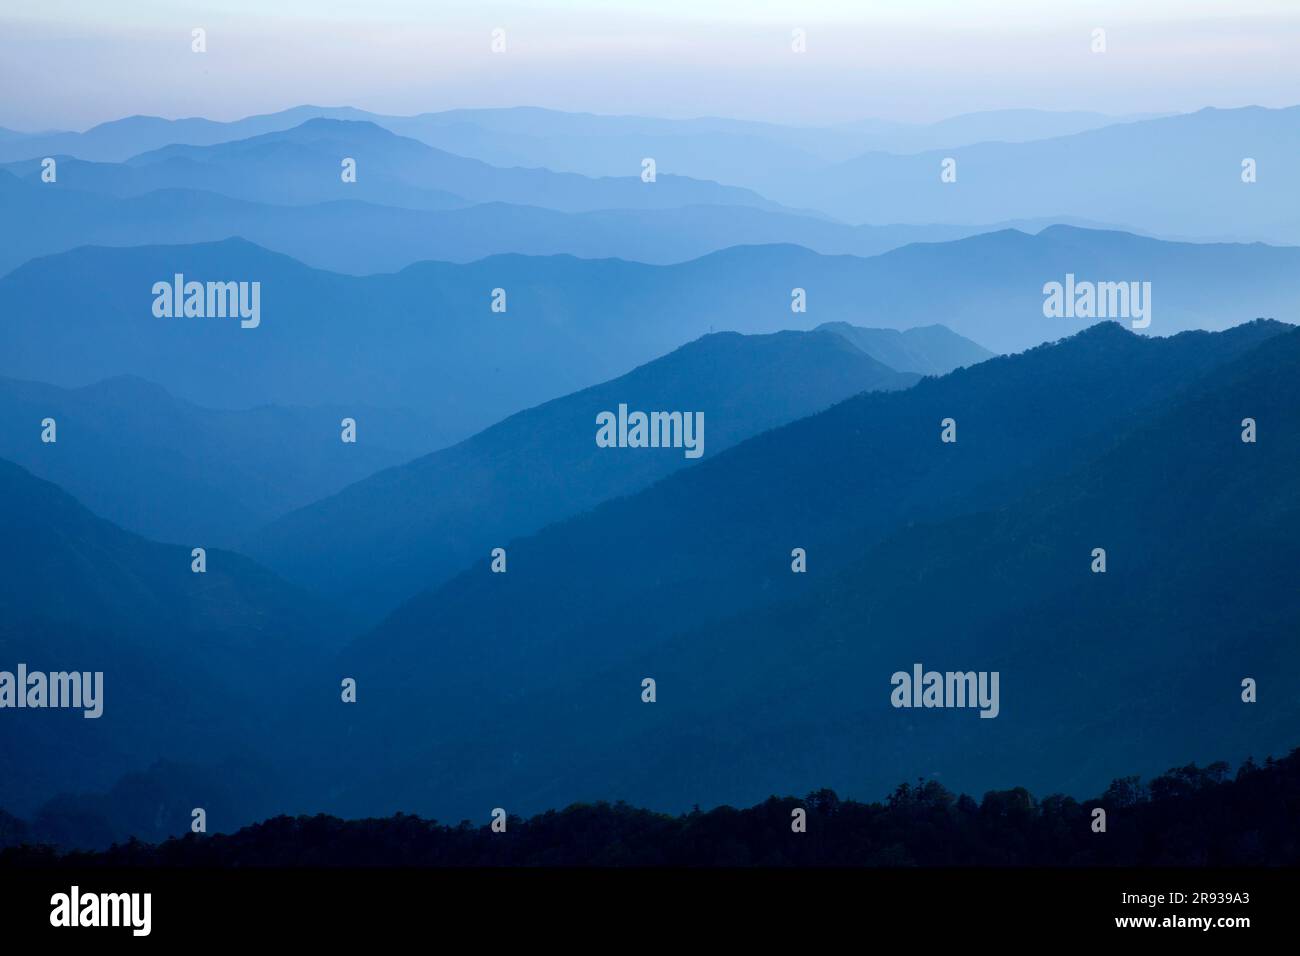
1188	817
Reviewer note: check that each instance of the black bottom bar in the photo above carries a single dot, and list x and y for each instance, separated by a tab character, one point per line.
535	904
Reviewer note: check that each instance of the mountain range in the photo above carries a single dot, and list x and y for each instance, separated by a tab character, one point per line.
204	665
524	687
973	555
586	143
170	640
902	458
407	528
305	164
1175	176
1178	176
45	219
173	471
427	339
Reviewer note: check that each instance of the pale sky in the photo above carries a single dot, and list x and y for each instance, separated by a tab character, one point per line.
70	64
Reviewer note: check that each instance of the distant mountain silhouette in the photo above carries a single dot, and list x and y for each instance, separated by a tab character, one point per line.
755	155
1099	534
426	338
195	664
45	219
120	139
1136	172
177	472
737	152
967	556
1145	661
389	536
304	165
1178	176
324	340
925	350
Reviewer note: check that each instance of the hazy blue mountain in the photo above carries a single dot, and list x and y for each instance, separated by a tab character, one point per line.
50	218
738	152
203	665
1002	126
734	152
985	290
1144	663
426	339
528	683
756	155
925	350
174	471
118	140
385	538
917	551
303	165
156	802
1176	176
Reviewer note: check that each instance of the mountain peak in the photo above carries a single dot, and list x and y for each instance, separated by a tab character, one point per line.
350	125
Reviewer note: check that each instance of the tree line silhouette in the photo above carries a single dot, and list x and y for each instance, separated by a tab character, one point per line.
1190	816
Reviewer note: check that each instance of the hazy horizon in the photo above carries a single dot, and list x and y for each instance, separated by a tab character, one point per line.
79	64
702	117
